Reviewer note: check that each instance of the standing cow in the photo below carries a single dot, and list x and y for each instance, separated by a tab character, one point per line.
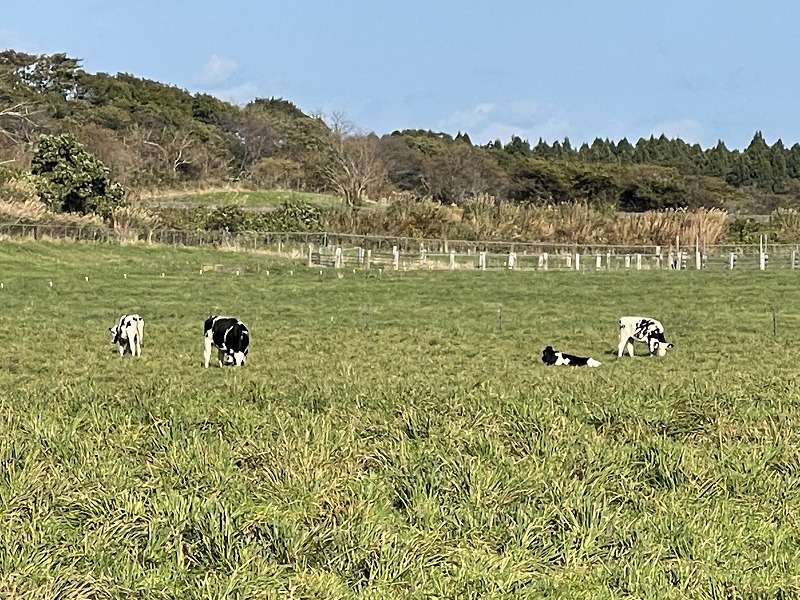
128	333
642	329
229	336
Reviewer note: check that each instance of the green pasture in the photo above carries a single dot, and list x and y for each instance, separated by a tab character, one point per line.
393	435
243	198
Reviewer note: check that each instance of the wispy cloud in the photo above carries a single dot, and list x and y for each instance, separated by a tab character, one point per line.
237	94
526	119
11	39
689	130
217	70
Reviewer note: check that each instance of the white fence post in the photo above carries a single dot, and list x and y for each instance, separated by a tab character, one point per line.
598	263
627	261
482	260
543	261
452	260
423	254
337	257
577	261
395	258
638	262
512	260
368	259
732	260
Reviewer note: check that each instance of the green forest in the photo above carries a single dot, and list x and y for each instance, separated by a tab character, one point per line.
134	136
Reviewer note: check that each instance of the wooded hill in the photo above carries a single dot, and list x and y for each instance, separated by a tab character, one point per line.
154	136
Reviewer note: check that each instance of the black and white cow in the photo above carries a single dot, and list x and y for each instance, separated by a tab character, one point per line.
552	357
229	336
642	329
128	333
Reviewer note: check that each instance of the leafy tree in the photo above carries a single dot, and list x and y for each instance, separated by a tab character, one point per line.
69	179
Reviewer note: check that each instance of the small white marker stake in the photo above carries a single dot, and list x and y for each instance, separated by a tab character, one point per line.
291	272
237	273
267	273
162	274
51	284
1	286
86	278
124	275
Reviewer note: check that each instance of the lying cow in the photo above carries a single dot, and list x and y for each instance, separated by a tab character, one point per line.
552	357
128	333
229	336
642	329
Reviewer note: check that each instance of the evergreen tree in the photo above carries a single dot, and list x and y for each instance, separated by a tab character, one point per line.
71	180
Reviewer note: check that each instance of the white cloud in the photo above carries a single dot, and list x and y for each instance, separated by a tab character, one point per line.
526	119
217	70
11	39
689	130
236	94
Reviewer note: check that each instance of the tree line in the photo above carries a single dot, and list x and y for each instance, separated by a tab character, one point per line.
153	136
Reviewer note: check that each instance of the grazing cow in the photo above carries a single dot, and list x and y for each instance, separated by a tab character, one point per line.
551	357
642	329
231	338
128	333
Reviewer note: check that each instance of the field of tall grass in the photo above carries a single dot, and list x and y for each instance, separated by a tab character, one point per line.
393	435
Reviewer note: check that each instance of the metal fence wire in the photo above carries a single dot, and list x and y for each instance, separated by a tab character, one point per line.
341	250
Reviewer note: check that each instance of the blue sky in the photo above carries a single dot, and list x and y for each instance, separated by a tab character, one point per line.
694	69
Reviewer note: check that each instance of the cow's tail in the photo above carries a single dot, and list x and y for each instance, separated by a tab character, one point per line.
593	363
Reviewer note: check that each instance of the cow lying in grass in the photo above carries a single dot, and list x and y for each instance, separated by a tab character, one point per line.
128	333
229	336
642	329
551	357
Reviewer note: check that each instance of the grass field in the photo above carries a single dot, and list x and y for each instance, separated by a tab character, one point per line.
393	435
243	198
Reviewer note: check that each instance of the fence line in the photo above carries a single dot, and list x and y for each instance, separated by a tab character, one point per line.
341	250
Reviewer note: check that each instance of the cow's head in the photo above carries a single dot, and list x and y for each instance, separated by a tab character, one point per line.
659	348
238	358
114	333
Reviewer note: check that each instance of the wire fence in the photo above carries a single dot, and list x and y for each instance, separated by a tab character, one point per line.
340	250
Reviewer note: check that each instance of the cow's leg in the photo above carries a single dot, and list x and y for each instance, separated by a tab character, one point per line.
140	337
220	357
620	349
121	348
206	351
630	348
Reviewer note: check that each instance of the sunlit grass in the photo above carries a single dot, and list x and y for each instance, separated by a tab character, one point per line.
393	435
242	197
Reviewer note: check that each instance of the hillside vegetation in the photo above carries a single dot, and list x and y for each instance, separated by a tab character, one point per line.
154	137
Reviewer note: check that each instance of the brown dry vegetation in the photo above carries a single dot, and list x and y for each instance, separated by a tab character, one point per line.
487	219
